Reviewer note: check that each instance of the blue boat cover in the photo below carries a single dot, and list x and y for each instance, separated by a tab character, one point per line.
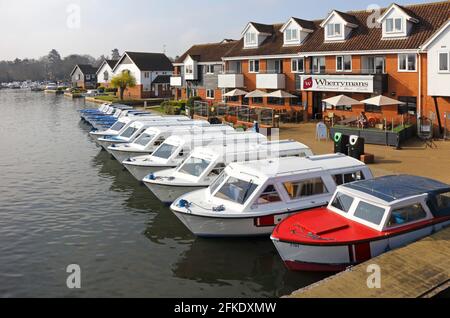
392	188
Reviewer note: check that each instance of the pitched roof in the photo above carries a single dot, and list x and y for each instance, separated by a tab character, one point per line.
305	24
263	28
111	63
211	52
431	17
150	61
347	17
161	79
85	69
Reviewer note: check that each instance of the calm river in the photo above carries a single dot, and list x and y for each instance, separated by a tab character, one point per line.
63	201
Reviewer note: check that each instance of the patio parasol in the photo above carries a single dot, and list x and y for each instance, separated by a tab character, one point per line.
236	92
341	100
280	94
256	93
381	101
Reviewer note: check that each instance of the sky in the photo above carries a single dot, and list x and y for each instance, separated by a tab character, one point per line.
30	28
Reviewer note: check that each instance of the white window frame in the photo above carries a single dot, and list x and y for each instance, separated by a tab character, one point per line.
394	29
343	70
332	26
189	69
88	77
251	39
407	55
252	66
210	94
210	69
319	58
288	35
439	61
146	74
297	69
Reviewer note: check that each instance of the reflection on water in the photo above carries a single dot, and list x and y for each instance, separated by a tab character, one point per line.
64	201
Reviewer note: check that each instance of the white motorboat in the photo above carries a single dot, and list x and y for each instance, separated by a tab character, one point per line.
251	198
124	122
177	148
138	127
204	165
153	137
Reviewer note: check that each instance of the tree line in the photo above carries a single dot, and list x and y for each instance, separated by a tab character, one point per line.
51	67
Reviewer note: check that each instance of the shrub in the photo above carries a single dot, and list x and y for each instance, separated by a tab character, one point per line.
190	101
110	90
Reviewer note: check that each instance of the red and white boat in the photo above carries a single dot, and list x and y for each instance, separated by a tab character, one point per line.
363	220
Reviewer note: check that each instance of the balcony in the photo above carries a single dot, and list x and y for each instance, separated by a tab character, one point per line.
270	81
176	81
229	80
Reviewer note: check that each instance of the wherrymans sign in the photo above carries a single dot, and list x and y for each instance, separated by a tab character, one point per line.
337	83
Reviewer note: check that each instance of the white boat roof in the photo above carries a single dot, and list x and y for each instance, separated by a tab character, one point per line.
182	129
294	165
221	150
169	123
227	135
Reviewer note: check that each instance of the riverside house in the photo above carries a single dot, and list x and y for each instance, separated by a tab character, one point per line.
402	53
152	72
105	72
84	76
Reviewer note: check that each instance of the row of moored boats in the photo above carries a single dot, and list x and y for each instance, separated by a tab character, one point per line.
323	213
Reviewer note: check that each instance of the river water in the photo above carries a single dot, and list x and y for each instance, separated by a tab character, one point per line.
63	201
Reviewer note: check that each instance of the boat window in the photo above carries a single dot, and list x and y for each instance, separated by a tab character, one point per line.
194	166
129	132
407	215
144	139
117	126
370	213
215	185
270	195
442	204
236	190
217	170
305	188
341	179
342	202
165	151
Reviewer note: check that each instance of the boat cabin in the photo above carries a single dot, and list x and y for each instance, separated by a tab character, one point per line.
177	148
389	203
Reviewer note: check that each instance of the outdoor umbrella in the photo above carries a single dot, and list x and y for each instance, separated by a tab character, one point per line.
256	93
341	100
235	92
381	101
281	94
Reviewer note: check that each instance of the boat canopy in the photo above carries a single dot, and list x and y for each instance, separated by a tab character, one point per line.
393	188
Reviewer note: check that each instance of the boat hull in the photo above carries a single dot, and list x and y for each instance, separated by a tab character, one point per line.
326	257
121	156
140	171
168	194
228	227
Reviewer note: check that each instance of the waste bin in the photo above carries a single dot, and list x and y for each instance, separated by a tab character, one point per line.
357	145
341	143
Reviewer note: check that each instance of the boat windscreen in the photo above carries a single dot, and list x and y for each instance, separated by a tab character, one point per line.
144	139
194	166
165	151
342	202
129	132
236	190
117	126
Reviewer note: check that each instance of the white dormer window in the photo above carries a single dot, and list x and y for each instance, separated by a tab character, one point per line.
334	30
394	25
291	35
189	69
396	22
251	39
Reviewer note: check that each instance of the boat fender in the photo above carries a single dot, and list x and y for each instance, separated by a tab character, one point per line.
151	176
184	204
219	208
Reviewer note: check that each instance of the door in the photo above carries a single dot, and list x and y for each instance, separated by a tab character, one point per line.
317	108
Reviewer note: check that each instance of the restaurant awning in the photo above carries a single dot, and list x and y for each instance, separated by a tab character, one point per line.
257	93
341	100
235	92
381	101
280	94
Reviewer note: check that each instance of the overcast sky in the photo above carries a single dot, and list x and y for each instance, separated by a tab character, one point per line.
31	28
